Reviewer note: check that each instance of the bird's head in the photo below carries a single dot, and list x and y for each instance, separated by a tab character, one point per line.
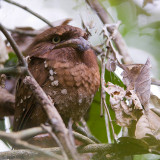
63	43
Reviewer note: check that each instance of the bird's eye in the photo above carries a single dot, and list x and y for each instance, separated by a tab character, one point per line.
56	39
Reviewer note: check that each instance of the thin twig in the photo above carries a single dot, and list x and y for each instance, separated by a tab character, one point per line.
155	82
18	70
30	11
118	40
56	139
107	127
81	130
14	46
110	120
91	148
103	93
84	124
16	139
82	138
38	149
53	115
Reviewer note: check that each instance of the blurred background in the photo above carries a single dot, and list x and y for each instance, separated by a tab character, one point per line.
140	28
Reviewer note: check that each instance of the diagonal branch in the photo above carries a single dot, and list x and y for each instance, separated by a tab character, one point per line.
30	11
53	115
56	121
14	46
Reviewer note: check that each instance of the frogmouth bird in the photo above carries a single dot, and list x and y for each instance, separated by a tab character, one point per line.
66	68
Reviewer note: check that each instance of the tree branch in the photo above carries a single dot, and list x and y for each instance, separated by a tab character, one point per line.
14	46
118	149
17	70
53	115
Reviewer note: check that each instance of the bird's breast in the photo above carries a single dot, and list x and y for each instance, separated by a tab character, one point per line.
71	87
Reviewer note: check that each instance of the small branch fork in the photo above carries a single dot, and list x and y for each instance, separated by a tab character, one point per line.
56	121
17	138
89	146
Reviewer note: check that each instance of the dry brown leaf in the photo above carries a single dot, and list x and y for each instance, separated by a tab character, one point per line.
147	124
130	74
126	104
142	85
131	95
142	127
137	77
155	101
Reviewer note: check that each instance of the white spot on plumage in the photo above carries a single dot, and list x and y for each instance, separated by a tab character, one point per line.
21	101
51	72
24	109
80	101
51	78
45	65
64	91
16	119
54	83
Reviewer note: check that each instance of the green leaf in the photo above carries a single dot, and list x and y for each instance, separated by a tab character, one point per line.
12	61
116	2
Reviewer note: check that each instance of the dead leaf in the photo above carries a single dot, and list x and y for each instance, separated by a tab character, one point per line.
142	85
142	127
148	124
137	77
111	65
130	74
155	101
126	104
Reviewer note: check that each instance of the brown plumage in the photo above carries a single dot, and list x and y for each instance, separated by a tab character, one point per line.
65	66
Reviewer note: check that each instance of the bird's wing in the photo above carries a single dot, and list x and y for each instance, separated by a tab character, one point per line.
25	100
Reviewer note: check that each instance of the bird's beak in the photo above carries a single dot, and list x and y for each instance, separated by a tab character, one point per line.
79	44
